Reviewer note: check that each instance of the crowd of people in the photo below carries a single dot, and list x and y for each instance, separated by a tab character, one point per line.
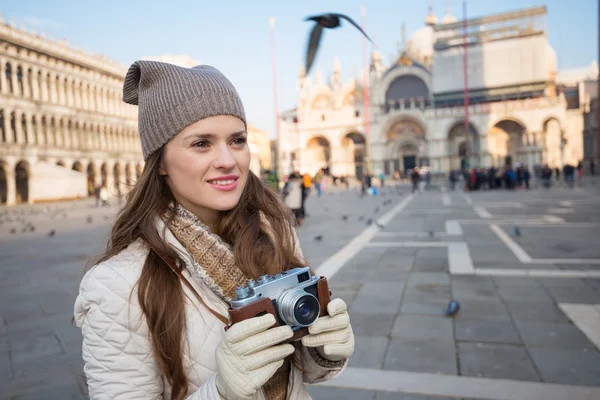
509	177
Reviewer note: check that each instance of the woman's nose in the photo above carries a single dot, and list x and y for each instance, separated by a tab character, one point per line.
224	158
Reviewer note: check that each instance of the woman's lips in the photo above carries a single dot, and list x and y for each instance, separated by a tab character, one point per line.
225	185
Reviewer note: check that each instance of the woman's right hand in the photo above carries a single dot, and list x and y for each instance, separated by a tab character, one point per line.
249	355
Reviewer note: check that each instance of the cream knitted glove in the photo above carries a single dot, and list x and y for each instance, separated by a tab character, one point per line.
249	355
332	335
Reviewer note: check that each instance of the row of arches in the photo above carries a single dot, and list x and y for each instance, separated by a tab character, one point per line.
405	145
62	132
19	79
118	177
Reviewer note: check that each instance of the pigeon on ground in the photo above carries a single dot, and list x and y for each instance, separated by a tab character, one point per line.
318	238
431	233
345	217
89	220
328	21
376	209
52	233
452	308
517	231
369	221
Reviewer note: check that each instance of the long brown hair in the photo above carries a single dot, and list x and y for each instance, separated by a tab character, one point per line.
257	251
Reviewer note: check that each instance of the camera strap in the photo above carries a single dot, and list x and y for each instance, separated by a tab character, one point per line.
167	260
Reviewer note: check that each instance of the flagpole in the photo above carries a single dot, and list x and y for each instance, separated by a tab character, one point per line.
363	13
275	101
466	76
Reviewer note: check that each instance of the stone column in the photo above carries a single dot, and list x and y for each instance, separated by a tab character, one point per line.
66	135
69	89
26	87
14	80
3	81
11	186
45	94
35	84
39	131
85	93
30	133
53	89
62	90
76	93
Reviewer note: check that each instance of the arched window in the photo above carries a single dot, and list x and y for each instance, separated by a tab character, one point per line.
8	72
2	126
24	128
20	80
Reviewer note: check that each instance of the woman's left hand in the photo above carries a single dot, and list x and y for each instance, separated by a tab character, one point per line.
332	335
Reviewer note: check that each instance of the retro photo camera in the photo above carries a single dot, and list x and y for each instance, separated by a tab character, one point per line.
294	297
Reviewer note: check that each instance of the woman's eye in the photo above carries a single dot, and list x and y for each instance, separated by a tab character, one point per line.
239	141
201	144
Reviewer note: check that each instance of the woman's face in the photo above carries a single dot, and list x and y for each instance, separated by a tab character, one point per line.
206	165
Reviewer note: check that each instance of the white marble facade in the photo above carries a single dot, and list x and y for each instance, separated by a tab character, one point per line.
519	111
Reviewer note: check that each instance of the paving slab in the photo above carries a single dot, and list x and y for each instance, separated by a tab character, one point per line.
496	361
378	298
567	366
493	331
423	327
556	335
421	355
369	351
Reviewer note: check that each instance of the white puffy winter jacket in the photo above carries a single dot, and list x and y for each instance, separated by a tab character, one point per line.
117	350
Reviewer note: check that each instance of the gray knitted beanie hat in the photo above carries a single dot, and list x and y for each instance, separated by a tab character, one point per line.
170	98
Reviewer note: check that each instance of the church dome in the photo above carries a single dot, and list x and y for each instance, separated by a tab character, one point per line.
448	18
421	42
430	19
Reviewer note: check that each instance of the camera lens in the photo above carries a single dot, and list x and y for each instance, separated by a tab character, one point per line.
298	308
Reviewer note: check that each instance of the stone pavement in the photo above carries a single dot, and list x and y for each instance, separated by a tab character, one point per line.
529	296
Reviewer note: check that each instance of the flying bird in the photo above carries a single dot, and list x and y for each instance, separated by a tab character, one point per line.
328	21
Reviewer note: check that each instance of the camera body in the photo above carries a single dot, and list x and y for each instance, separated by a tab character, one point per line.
294	297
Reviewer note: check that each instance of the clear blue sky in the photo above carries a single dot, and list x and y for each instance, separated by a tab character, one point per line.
234	35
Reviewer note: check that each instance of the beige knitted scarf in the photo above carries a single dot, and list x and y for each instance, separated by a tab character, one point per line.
214	264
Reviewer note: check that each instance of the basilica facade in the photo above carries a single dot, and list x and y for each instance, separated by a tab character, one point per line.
520	108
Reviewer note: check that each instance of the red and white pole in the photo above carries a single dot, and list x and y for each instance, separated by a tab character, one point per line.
363	13
275	100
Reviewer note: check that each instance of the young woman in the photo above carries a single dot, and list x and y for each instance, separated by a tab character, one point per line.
197	224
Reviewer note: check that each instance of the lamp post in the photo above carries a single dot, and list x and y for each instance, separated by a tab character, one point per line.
275	101
363	13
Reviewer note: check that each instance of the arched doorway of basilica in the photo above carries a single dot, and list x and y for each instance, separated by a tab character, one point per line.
463	150
354	155
77	166
3	183
406	147
505	143
60	163
22	182
318	151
